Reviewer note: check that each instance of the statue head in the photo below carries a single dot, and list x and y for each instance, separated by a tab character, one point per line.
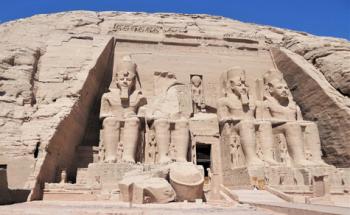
275	85
126	76
63	176
196	80
234	82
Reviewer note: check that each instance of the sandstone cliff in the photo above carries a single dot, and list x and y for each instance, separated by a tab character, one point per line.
52	67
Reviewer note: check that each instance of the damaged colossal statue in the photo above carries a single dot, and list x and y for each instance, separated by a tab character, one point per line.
164	116
119	109
124	106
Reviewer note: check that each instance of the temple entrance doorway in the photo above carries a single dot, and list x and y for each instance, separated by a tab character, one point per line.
203	152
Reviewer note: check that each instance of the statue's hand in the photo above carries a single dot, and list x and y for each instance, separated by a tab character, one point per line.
149	117
130	114
157	115
142	112
229	119
278	121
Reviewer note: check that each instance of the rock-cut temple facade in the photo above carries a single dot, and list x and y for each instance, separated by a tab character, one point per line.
156	108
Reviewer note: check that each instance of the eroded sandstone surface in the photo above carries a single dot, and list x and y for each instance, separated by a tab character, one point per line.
54	68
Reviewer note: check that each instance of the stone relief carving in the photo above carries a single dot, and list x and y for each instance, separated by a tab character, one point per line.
138	28
153	29
197	94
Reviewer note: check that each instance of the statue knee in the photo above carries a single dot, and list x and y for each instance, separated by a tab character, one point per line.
132	122
111	122
293	126
265	125
161	123
181	124
246	125
312	126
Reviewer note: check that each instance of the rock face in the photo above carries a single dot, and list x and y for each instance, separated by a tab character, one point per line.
330	56
54	69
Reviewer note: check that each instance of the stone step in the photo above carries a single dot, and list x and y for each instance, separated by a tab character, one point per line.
257	196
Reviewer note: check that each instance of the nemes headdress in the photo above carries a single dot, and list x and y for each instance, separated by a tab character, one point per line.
126	64
232	73
195	78
272	75
270	78
126	67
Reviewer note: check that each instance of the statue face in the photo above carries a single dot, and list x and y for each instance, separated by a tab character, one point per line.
279	89
196	81
238	86
125	79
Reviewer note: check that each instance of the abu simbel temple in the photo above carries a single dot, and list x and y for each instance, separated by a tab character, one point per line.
136	108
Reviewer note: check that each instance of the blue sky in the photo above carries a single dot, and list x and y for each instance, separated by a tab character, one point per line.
320	17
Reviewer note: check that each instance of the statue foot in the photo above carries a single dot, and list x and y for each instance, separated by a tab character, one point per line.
179	159
272	162
111	160
255	162
164	159
129	160
304	163
321	163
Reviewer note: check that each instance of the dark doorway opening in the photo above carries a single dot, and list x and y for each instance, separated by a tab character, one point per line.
203	152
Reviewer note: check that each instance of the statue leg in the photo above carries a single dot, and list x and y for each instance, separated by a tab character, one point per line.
248	142
162	130
266	139
130	138
295	144
110	135
313	143
181	139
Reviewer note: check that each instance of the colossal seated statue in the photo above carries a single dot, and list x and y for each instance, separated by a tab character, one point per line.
165	117
279	108
236	113
119	109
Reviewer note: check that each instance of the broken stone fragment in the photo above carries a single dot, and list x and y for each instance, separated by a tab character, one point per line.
187	181
145	189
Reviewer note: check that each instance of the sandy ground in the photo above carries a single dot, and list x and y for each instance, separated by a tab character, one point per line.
119	208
